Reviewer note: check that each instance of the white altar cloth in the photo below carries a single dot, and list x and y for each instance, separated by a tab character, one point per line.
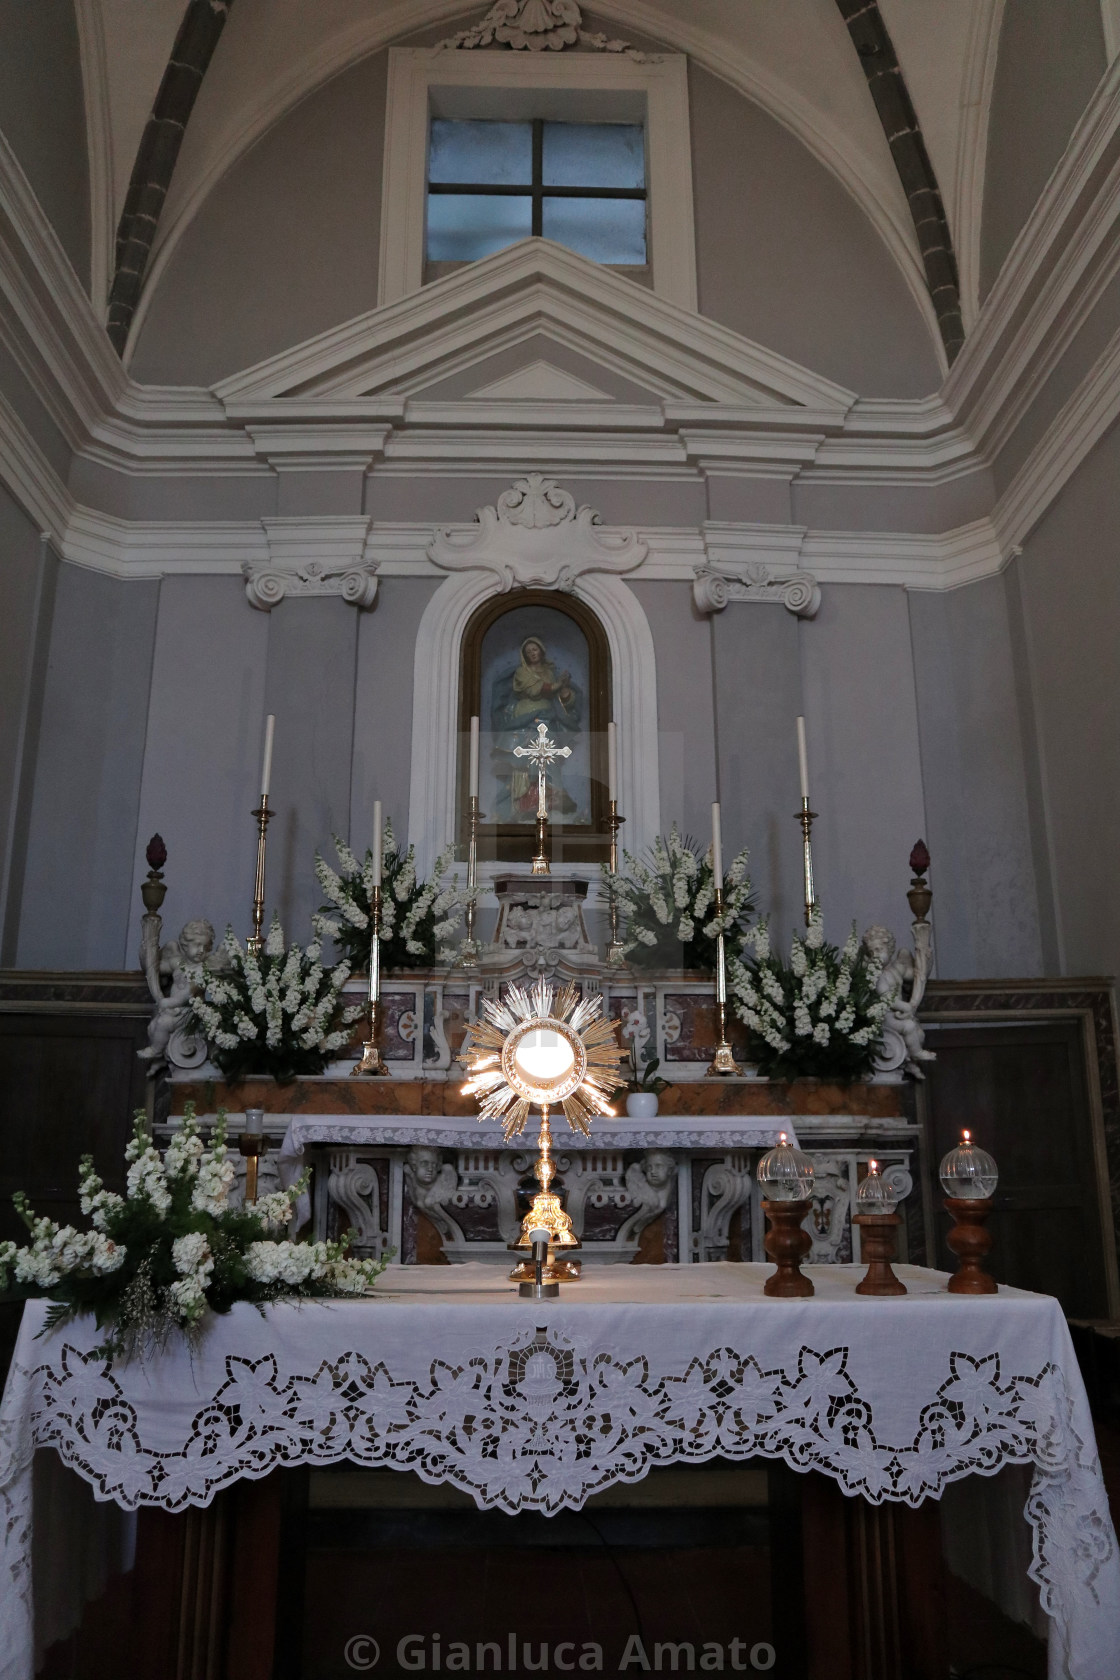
537	1405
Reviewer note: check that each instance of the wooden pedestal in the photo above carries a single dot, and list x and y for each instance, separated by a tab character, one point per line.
971	1240
879	1246
787	1244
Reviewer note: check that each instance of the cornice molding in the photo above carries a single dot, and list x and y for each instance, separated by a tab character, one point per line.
1064	256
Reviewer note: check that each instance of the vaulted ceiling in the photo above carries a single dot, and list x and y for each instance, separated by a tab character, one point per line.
819	66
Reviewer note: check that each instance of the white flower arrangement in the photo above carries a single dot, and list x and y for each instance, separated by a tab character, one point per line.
278	1013
817	1016
667	903
158	1257
418	918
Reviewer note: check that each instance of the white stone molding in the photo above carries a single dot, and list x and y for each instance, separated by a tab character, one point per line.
966	209
798	592
650	89
537	25
99	146
531	288
433	803
537	538
318	556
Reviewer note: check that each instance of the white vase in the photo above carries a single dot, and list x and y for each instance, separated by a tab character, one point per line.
641	1105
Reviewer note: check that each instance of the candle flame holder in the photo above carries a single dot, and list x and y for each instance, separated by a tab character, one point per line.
471	949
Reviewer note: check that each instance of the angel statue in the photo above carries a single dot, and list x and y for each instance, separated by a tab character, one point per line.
902	982
170	971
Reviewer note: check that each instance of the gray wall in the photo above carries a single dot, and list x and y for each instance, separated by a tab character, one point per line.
758	696
685	709
786	257
202	753
1068	582
286	245
42	114
1051	57
861	718
28	573
974	775
82	827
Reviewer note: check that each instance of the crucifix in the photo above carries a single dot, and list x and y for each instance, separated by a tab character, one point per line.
541	753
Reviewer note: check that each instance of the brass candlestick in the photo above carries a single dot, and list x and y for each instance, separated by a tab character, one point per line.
545	1213
252	1145
970	1240
371	1060
723	1063
805	818
470	949
263	815
541	865
787	1243
614	949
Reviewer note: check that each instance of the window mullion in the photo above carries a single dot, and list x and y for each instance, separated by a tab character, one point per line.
538	177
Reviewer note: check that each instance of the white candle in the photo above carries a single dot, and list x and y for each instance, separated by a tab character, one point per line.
717	847
377	842
802	758
612	762
474	759
266	767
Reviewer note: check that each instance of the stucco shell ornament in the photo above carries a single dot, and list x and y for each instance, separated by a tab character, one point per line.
536	25
536	537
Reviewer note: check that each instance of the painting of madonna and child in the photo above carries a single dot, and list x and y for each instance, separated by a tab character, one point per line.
536	666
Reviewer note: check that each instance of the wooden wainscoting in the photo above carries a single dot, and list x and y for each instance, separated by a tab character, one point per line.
1030	1067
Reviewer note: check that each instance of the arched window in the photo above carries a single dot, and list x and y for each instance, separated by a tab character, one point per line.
537	657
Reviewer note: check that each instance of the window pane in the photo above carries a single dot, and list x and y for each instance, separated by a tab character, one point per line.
608	230
494	154
594	155
465	226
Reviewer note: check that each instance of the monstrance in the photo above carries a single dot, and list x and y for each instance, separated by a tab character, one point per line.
545	1048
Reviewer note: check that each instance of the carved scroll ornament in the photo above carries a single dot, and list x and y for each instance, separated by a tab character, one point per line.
537	538
537	25
798	592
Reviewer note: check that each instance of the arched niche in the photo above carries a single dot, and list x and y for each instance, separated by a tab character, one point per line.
528	657
437	793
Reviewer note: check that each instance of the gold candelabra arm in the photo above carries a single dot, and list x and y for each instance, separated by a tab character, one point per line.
371	1059
614	949
263	815
805	817
723	1064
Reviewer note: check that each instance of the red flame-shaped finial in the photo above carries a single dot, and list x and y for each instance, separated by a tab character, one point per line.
156	853
919	858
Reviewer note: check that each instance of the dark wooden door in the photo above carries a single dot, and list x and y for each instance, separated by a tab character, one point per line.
68	1086
1022	1090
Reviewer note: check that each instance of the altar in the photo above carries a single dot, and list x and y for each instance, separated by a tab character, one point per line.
543	1405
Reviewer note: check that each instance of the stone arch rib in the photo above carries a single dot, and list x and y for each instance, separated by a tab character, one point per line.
203	22
904	136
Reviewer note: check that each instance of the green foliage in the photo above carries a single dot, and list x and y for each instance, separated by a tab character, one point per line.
156	1259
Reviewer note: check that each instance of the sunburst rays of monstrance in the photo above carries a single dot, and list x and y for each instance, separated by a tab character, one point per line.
549	1048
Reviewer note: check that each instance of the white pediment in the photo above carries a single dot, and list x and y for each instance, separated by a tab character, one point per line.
531	290
539	381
